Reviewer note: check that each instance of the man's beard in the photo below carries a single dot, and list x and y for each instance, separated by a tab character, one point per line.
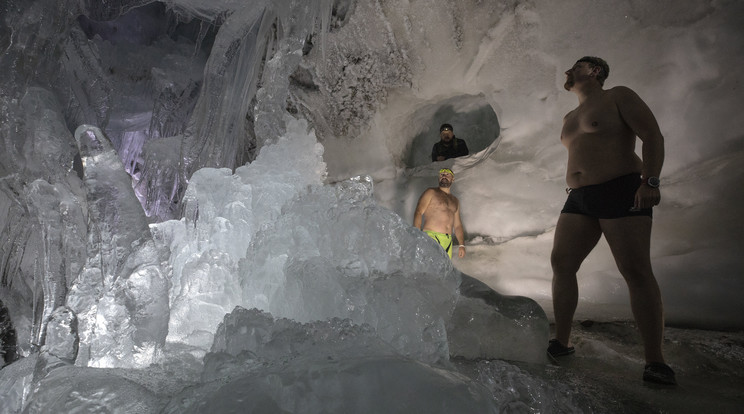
445	184
569	84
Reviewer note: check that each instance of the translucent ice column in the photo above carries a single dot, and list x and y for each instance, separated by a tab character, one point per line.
120	296
222	213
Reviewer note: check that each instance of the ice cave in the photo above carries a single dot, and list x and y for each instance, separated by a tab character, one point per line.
207	206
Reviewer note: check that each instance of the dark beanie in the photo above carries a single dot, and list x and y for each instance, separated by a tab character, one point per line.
446	126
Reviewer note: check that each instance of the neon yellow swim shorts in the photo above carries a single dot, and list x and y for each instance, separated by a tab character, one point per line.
444	240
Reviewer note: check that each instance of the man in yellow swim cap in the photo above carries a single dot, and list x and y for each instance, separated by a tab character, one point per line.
439	211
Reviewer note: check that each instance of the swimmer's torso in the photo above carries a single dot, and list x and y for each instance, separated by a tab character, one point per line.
600	144
440	213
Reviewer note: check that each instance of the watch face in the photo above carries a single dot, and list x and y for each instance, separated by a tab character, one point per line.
653	181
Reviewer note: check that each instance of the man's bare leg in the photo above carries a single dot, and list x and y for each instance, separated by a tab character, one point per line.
575	236
629	239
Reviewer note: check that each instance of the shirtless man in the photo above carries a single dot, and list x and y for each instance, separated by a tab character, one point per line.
611	192
440	211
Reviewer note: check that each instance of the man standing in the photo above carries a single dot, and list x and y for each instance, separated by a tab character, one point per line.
611	192
448	146
440	212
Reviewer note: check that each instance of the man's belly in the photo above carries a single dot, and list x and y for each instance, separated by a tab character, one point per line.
441	228
592	170
576	179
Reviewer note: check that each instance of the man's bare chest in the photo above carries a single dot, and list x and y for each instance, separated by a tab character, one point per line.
444	202
597	120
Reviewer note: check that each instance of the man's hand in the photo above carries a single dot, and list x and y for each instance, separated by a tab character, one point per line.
461	252
646	197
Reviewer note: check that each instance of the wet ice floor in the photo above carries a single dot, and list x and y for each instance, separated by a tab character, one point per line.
606	370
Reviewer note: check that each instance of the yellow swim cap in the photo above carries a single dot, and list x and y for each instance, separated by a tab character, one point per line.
446	170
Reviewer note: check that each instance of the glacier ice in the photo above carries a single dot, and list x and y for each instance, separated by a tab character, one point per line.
139	260
121	296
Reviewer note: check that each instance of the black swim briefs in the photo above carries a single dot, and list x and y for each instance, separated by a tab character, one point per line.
608	200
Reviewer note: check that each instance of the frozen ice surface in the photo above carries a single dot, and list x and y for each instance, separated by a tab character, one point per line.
71	388
61	339
260	238
359	385
259	364
15	383
330	263
43	247
253	334
229	85
120	297
487	325
223	212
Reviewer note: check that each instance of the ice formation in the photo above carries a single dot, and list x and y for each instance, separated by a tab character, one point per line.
207	205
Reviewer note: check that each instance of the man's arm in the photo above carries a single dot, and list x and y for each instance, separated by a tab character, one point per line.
462	149
638	116
459	233
434	152
423	204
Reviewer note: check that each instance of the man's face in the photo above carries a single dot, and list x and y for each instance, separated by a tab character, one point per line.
579	72
447	135
445	180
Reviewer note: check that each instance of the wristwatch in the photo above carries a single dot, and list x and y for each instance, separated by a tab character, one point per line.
652	182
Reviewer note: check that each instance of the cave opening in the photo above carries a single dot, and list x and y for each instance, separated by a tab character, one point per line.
471	116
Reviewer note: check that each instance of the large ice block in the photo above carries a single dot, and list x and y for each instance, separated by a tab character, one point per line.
488	325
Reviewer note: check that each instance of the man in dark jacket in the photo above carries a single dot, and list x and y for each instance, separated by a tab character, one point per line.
449	146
